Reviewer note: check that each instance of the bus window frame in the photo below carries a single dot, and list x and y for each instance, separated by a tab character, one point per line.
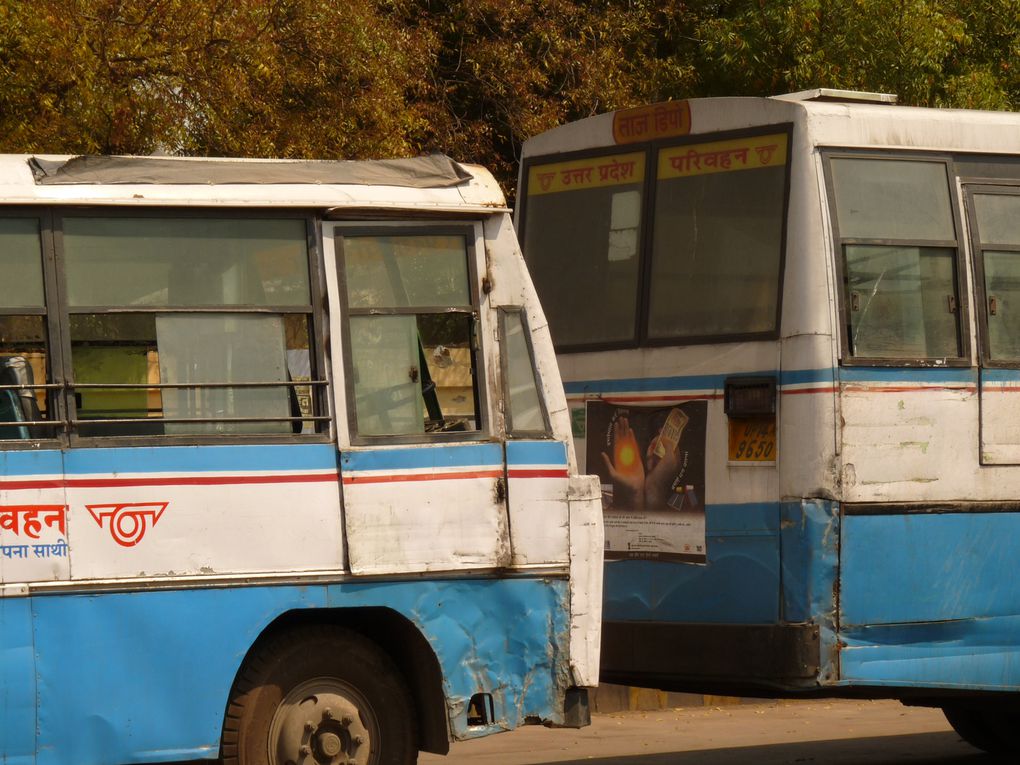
471	232
55	398
725	135
522	232
847	358
504	366
971	188
646	232
319	384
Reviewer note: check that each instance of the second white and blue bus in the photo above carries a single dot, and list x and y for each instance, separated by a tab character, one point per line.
789	330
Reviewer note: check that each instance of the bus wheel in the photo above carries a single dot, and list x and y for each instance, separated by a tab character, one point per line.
984	728
320	696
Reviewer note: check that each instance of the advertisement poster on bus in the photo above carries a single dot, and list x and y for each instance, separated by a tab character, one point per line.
651	461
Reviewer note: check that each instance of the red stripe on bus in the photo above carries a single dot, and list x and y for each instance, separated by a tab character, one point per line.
422	477
96	483
548	473
847	387
858	388
651	397
790	392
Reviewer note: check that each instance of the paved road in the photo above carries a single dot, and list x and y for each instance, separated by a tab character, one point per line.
811	733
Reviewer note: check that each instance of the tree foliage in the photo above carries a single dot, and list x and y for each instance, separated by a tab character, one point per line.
472	78
928	52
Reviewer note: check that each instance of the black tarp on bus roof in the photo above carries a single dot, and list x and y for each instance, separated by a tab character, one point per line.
433	171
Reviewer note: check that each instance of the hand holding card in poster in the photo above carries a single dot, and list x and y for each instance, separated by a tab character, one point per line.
625	468
651	461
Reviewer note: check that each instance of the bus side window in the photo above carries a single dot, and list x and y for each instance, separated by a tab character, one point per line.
998	226
24	359
717	240
525	411
411	329
898	241
195	326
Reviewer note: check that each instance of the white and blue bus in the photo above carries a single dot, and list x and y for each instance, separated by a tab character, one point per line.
789	331
286	475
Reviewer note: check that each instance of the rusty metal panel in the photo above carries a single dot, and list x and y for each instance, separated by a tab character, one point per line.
810	564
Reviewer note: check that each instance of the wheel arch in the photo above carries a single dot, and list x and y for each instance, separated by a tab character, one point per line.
401	640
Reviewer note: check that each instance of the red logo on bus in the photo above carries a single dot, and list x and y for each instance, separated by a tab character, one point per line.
127	522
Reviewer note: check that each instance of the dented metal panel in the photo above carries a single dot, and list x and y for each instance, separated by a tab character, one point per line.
810	559
587	540
504	637
923	601
740	584
107	696
910	434
927	566
973	654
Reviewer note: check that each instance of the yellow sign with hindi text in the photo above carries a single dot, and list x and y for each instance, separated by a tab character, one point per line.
591	173
750	153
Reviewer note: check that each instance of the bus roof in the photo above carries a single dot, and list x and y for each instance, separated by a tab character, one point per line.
823	118
434	183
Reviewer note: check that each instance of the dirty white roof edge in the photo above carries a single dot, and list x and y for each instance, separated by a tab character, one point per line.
827	122
479	193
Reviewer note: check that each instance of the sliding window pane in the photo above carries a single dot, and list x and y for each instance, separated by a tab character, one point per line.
119	349
892	199
998	218
387	383
185	262
223	348
21	279
140	351
1002	285
406	271
902	302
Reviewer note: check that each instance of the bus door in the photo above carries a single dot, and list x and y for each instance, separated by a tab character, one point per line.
994	215
423	469
536	465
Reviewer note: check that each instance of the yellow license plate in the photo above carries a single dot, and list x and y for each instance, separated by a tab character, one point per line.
753	439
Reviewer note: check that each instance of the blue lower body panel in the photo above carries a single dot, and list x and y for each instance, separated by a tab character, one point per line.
928	600
739	585
17	678
145	676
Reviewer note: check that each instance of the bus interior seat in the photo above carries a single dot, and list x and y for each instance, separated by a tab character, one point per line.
15	370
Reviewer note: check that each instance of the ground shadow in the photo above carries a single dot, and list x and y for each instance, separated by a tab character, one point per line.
915	749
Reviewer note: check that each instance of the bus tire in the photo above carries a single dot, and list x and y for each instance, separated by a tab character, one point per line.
983	728
319	695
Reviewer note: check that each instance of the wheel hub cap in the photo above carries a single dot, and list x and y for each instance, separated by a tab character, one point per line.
322	722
